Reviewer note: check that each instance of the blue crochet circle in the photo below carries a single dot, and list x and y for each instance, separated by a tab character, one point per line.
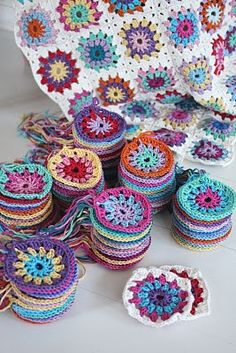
188	199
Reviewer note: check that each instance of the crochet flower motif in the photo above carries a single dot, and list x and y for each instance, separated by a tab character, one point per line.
36	28
197	74
180	119
123	211
79	102
141	39
121	7
219	130
133	130
115	91
230	40
196	289
170	97
139	109
25	182
208	199
147	158
187	104
208	151
155	80
75	169
170	137
78	14
157	298
98	52
218	50
39	267
230	83
182	28
98	126
211	14
58	71
213	103
233	8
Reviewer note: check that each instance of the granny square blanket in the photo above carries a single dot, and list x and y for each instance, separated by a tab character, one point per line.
125	51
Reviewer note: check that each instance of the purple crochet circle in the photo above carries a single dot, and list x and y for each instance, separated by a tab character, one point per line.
123	210
95	125
33	259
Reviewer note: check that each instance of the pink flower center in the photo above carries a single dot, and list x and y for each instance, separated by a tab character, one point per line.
185	29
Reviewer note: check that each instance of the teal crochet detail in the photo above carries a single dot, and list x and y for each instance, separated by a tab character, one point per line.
25	181
206	199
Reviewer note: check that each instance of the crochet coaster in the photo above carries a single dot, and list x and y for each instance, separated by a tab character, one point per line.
102	132
75	172
147	166
199	288
156	297
43	277
122	222
25	196
202	210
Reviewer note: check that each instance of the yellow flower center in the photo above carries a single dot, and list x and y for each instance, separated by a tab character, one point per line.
115	94
59	71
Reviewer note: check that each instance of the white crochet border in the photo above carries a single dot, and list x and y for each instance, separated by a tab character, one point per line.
142	273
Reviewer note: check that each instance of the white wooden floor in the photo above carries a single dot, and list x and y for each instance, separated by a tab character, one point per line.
98	323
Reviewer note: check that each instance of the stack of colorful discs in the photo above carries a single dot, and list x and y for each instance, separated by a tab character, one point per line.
75	172
122	222
25	196
147	166
202	210
43	277
103	132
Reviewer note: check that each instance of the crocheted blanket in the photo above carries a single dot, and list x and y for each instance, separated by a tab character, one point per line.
138	51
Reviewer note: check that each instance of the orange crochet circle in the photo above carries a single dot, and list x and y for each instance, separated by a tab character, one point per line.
146	140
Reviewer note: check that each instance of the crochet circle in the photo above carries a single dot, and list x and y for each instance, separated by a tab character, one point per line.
123	210
95	125
199	289
147	157
41	267
24	181
156	297
76	167
206	199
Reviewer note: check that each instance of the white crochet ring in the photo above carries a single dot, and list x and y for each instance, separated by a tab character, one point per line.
152	290
200	309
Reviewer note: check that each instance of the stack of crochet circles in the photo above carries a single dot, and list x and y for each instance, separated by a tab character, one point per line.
75	172
202	210
147	166
43	278
103	132
122	222
25	196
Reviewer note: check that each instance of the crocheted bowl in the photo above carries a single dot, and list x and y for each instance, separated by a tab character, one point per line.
41	267
77	168
206	199
24	181
97	127
123	210
147	157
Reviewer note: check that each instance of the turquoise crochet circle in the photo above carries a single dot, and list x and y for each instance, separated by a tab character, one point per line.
34	177
206	199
